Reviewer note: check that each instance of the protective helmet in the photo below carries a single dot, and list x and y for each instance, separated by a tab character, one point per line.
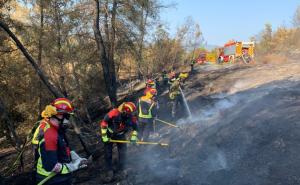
150	82
183	75
63	106
151	92
127	107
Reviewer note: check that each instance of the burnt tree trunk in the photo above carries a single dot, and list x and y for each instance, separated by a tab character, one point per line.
143	25
34	64
40	47
58	25
107	65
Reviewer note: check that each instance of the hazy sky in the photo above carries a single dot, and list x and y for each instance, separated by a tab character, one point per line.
222	20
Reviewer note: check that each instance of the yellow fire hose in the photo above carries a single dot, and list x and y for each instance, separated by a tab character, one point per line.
138	142
167	123
52	174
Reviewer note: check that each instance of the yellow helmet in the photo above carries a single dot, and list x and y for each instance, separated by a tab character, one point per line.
127	107
151	92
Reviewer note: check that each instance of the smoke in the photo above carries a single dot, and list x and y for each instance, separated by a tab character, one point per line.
163	165
209	114
210	145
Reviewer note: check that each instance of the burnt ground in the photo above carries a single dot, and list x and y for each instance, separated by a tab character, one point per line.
244	130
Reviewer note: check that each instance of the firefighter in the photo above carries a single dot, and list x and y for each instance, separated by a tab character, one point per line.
165	78
53	152
115	125
147	111
175	95
157	85
183	76
172	77
150	84
193	62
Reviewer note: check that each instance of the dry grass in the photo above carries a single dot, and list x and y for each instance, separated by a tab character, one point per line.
273	58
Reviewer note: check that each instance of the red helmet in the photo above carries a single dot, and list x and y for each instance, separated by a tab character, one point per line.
63	106
128	107
150	82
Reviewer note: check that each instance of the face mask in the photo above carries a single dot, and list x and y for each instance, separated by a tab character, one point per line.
125	115
65	123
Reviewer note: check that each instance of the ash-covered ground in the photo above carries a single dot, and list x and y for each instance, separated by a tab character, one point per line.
243	132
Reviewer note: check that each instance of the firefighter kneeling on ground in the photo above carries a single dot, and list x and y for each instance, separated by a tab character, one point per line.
114	126
147	111
53	154
175	95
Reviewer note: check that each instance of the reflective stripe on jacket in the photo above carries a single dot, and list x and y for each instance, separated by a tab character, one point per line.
117	123
145	109
52	149
39	132
40	168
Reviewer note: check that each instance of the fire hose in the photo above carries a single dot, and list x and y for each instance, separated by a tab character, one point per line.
52	174
167	123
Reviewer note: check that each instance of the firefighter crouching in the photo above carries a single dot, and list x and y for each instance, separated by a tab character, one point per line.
115	124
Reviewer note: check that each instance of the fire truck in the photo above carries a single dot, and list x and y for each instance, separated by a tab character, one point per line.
234	51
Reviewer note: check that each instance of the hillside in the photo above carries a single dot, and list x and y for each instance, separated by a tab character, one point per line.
244	130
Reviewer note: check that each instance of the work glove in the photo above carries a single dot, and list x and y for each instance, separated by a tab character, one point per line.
75	157
73	166
77	162
105	139
133	138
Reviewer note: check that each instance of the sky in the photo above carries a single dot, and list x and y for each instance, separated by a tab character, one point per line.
223	20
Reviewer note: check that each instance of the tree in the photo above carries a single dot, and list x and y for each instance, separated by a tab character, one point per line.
149	11
38	70
190	35
266	39
105	54
296	18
